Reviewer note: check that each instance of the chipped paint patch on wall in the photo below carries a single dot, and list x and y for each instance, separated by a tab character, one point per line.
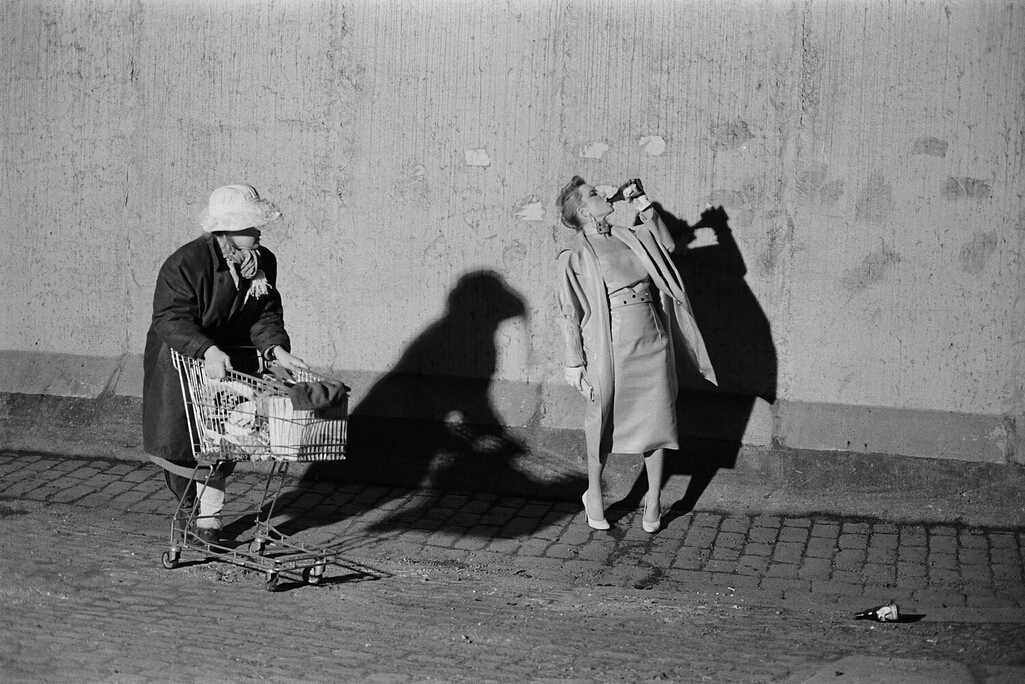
960	188
872	270
977	252
594	150
876	202
933	147
653	145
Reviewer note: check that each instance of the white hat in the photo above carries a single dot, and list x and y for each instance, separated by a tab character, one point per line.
237	207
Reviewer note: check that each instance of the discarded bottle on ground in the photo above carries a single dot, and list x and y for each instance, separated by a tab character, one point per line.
885	613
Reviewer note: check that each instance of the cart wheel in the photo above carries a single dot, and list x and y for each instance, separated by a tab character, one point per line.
169	559
272	581
256	547
313	574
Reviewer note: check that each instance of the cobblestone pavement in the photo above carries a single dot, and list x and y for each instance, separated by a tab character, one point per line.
477	588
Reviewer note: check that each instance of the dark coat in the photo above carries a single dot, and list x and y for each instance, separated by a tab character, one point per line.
196	305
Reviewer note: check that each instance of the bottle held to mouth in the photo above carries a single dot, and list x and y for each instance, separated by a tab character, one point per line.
630	191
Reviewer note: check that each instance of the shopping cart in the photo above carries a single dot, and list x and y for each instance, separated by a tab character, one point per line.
251	416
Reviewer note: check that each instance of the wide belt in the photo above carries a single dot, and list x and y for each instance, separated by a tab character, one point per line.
628	298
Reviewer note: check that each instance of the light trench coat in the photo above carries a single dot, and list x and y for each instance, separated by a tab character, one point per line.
586	321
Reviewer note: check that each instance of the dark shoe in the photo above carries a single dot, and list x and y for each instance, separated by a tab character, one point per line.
208	535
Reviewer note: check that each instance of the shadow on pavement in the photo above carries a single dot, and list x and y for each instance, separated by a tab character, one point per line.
430	421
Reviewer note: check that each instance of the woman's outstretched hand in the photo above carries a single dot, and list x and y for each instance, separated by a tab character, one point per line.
289	361
216	363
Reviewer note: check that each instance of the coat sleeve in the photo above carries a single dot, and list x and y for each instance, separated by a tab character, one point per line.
658	228
268	329
573	309
176	314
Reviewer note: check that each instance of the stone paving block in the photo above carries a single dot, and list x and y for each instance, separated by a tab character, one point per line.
769	521
471	542
757	549
20	488
700	537
973	556
1003	540
835	587
44	475
69	494
942	543
786	584
913	535
722	553
877	573
736	525
784	570
945	561
725	566
973	539
912	554
789	553
849	541
884	556
795	535
534	547
828	530
850	559
885	542
691	558
687	577
815	569
752	565
1007	572
763	535
730	540
821	547
939	597
859	529
942	577
846	576
596	552
909	570
534	510
559	550
976	574
735	581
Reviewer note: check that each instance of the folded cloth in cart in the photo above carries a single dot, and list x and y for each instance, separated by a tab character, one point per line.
320	394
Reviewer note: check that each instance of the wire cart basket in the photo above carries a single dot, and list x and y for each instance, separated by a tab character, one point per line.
251	416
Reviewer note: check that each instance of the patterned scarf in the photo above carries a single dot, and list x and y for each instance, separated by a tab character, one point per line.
246	262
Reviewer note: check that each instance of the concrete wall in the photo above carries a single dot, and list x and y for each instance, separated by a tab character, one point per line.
867	286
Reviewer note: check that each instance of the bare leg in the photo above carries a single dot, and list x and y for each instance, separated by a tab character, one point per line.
653	465
593	500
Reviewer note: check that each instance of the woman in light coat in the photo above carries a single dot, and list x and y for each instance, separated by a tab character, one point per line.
214	293
625	320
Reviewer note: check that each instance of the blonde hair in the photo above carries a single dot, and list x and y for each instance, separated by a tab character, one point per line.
569	202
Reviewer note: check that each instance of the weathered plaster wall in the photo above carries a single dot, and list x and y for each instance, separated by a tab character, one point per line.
869	155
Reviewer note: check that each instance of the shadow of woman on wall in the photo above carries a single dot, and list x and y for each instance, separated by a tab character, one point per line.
430	422
712	420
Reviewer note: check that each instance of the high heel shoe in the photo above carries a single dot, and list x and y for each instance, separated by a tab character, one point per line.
650	527
594	524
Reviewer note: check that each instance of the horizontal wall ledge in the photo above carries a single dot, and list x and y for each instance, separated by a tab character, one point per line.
555	406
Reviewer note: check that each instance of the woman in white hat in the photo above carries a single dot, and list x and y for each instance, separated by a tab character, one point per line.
216	292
